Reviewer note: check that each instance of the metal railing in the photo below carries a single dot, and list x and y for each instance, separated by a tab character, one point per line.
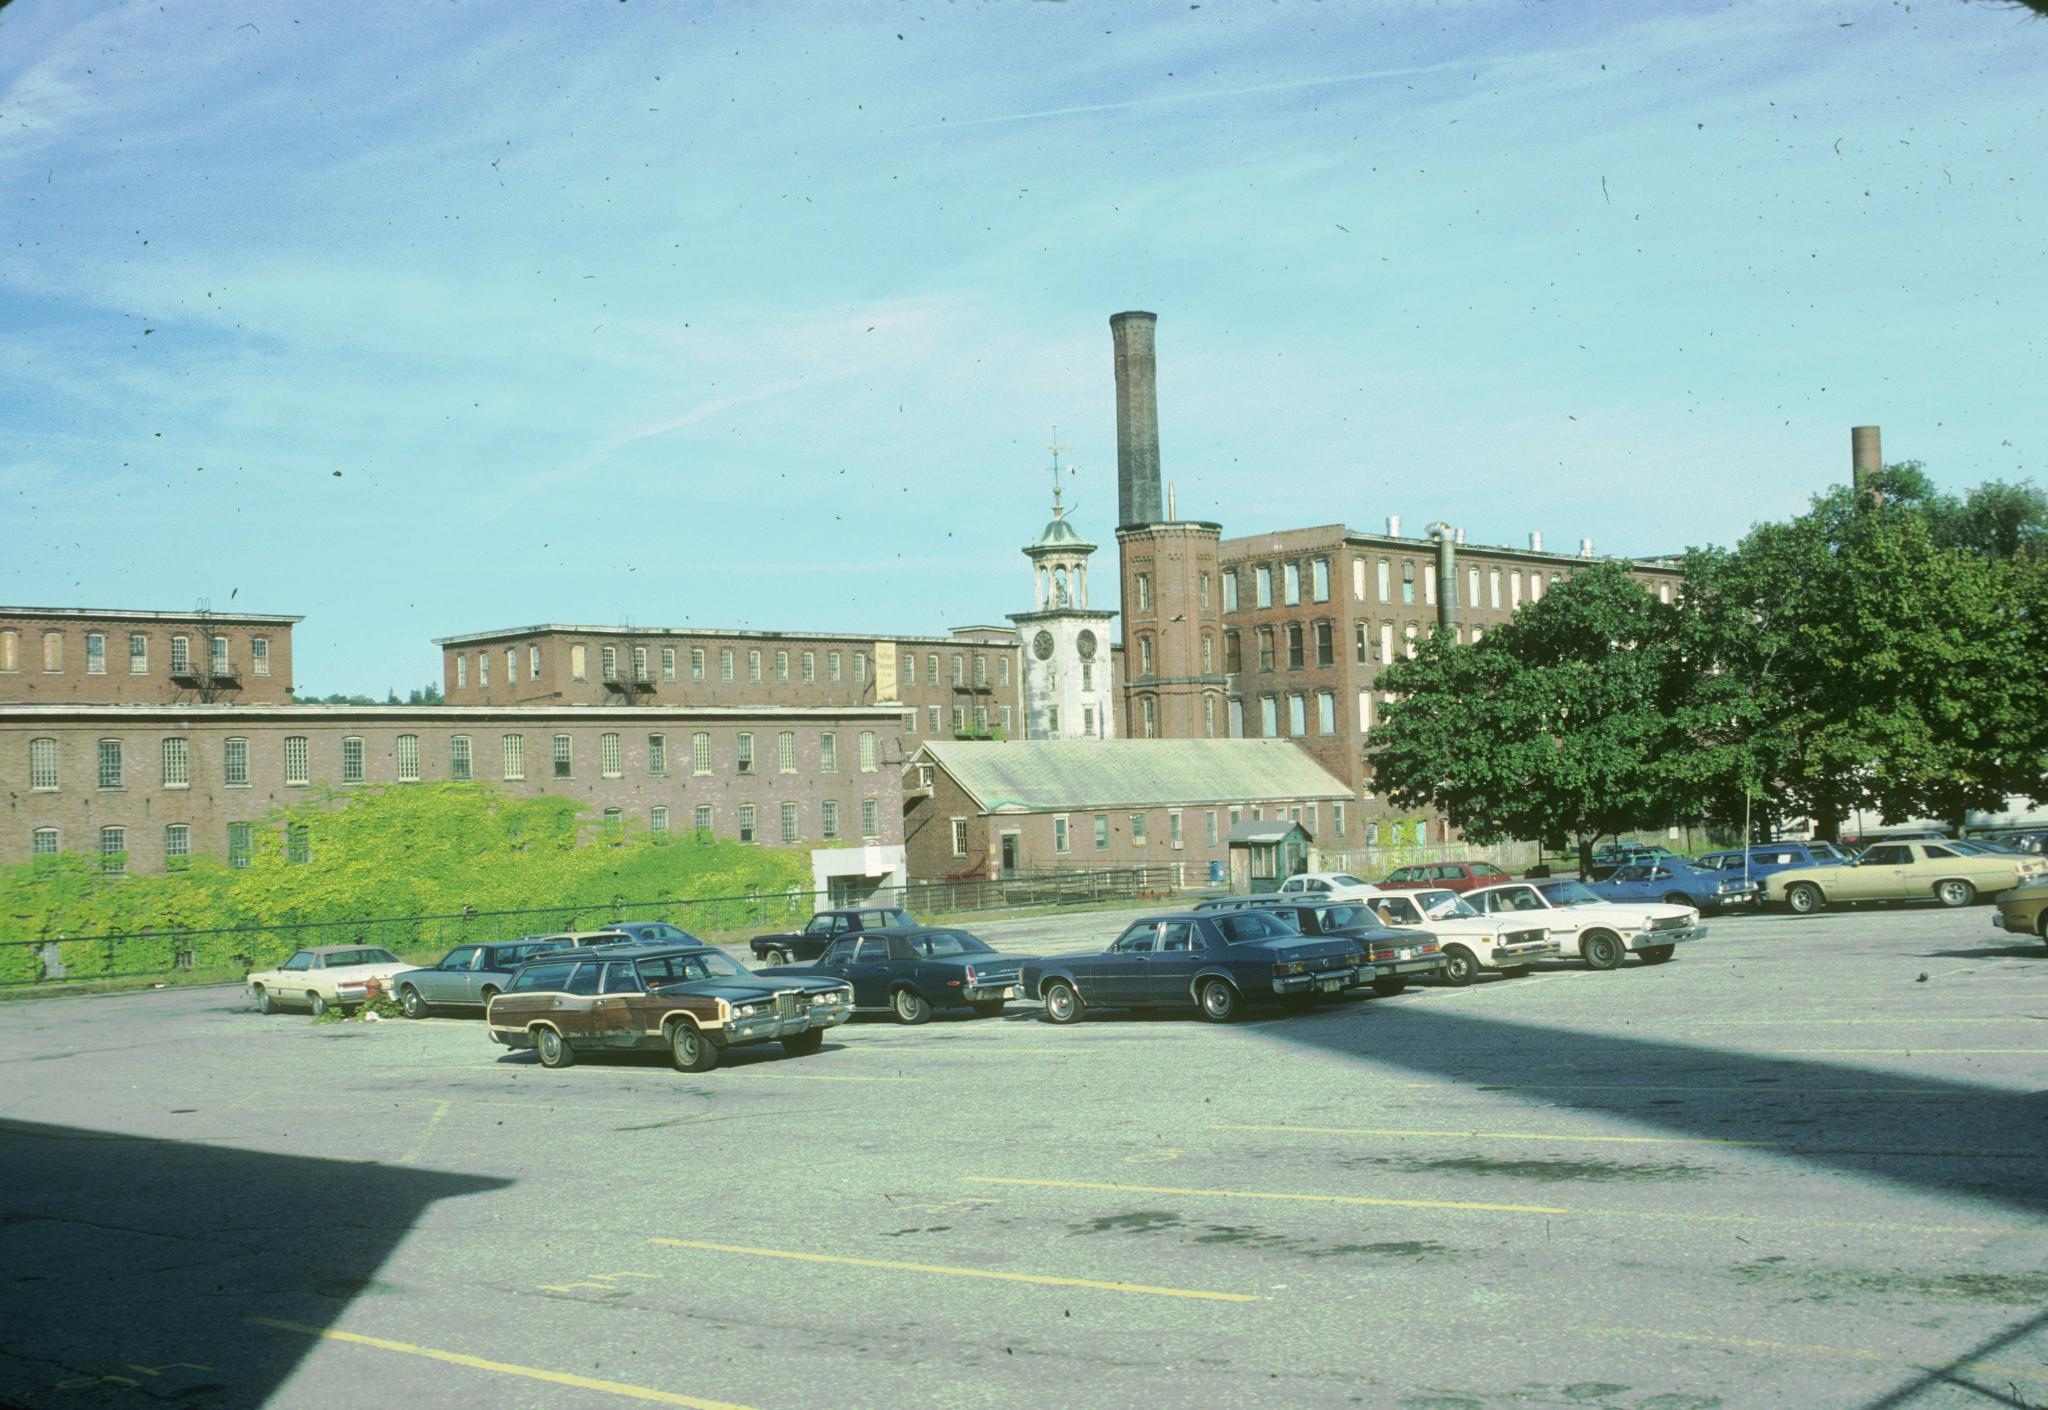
148	953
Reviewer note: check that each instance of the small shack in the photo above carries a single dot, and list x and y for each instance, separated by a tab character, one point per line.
1264	854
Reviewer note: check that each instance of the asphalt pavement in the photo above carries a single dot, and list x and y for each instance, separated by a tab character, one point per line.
1799	1165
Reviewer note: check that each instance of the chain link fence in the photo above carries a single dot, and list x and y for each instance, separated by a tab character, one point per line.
147	953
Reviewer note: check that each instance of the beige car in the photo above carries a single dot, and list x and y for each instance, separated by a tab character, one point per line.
1902	871
2024	909
327	976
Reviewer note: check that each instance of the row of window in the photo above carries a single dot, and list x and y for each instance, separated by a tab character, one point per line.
1215	823
176	758
217	659
1293	582
639	663
938	716
1148	716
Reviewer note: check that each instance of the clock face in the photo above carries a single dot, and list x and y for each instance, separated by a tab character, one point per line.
1086	645
1041	646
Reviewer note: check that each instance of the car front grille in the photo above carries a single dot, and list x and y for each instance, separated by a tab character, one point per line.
1525	937
1669	923
789	1003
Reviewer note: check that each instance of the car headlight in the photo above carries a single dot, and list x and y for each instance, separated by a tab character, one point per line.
749	1010
1648	922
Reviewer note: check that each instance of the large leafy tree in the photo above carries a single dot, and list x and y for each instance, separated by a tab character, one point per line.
1581	717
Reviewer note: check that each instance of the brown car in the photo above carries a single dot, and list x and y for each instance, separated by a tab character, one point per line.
1446	876
2024	910
691	1001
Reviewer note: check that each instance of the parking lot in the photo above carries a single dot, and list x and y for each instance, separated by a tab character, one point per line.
1800	1165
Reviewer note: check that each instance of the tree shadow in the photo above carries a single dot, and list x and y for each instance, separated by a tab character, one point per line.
135	1265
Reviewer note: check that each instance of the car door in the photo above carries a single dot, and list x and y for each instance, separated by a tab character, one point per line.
613	1021
293	979
574	1009
1879	874
838	960
870	971
1176	953
1121	974
454	980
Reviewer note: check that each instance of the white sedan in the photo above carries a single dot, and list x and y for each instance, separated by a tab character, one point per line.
329	976
1468	940
1590	926
1326	886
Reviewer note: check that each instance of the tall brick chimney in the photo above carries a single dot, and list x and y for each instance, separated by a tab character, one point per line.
1137	419
1866	459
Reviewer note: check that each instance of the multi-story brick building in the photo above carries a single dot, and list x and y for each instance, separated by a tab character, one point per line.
94	656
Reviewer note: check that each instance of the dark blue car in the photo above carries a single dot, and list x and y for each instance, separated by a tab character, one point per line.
1217	962
1678	883
1763	858
915	970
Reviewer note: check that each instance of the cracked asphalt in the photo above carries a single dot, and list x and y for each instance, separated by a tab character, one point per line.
1801	1165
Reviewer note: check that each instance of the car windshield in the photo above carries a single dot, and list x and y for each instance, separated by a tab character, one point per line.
350	957
943	943
1441	905
1569	893
682	969
1344	878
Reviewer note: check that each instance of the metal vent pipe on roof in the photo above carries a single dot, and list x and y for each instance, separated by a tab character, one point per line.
1536	540
1393	526
1585	548
1446	576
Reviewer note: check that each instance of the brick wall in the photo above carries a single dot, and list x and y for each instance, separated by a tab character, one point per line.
48	658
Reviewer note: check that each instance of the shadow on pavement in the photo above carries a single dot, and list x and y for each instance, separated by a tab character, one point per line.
133	1265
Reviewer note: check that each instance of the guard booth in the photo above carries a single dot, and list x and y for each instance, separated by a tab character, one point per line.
1264	854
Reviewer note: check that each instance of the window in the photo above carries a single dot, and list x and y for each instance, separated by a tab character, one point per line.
1493	587
1337	818
1290	580
1262	578
808	664
1202	589
981	719
867	751
579	662
43	842
959	837
1326	644
1297	714
458	757
1326	712
511	665
1052	719
935	720
700	821
1269	716
1265	648
746	822
298	843
1230	590
483	668
1144	584
1236	717
1386	641
639	663
234	759
696	663
110	763
113	851
1006	720
564	758
870	819
828	820
53	651
981	670
351	760
1087	675
910	722
782	666
1294	655
1209	716
860	667
1144	655
1059	834
533	663
611	761
1209	826
1208	654
1173	837
181	655
832	666
1408	634
1385	573
1233	652
1429	582
1003	664
177	763
789	828
931	668
42	765
614	826
1514	591
959	669
828	747
668	673
1407	580
700	752
1102	832
785	751
177	846
657	754
608	659
238	844
408	758
725	663
461	672
514	746
10	650
753	664
1151	715
1319	579
1471	587
744	753
95	653
1364	710
1137	824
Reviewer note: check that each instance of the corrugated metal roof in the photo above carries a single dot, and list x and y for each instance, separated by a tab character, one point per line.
1055	775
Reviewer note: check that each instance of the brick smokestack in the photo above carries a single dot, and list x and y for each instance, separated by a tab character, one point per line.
1866	459
1137	419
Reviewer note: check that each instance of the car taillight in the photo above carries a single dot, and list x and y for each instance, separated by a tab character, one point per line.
970	974
1429	949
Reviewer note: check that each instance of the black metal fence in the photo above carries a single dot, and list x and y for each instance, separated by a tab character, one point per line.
149	953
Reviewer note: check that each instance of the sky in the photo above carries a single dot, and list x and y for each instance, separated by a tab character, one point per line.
420	319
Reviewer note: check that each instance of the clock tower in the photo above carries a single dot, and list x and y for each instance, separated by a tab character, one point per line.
1068	690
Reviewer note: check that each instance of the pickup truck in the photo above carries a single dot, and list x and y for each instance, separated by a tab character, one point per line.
825	927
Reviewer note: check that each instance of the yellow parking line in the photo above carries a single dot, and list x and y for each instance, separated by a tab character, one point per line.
821	1077
1843	1353
1496	1135
440	1110
1272	1195
952	1272
505	1368
1875	1226
1762	1089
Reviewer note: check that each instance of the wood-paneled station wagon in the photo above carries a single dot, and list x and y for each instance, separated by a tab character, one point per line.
691	1001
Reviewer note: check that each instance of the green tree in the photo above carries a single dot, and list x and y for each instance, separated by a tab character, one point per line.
1581	717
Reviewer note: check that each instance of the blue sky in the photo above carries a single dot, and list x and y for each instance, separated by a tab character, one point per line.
427	318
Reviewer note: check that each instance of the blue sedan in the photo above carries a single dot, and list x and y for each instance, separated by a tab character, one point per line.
1678	883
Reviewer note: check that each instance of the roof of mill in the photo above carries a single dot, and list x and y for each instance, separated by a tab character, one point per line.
1054	775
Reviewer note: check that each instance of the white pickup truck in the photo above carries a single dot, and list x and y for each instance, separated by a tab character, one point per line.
1590	926
1469	941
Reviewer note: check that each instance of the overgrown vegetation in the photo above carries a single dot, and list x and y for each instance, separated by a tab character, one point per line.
402	851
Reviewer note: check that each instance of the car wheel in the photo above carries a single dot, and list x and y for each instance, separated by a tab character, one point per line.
773	957
264	1003
1955	893
805	1043
555	1051
1387	988
1218	1000
989	1008
490	993
1062	1002
1656	954
1460	968
1804	898
1601	950
690	1050
2041	926
1679	898
910	1006
409	999
318	1001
